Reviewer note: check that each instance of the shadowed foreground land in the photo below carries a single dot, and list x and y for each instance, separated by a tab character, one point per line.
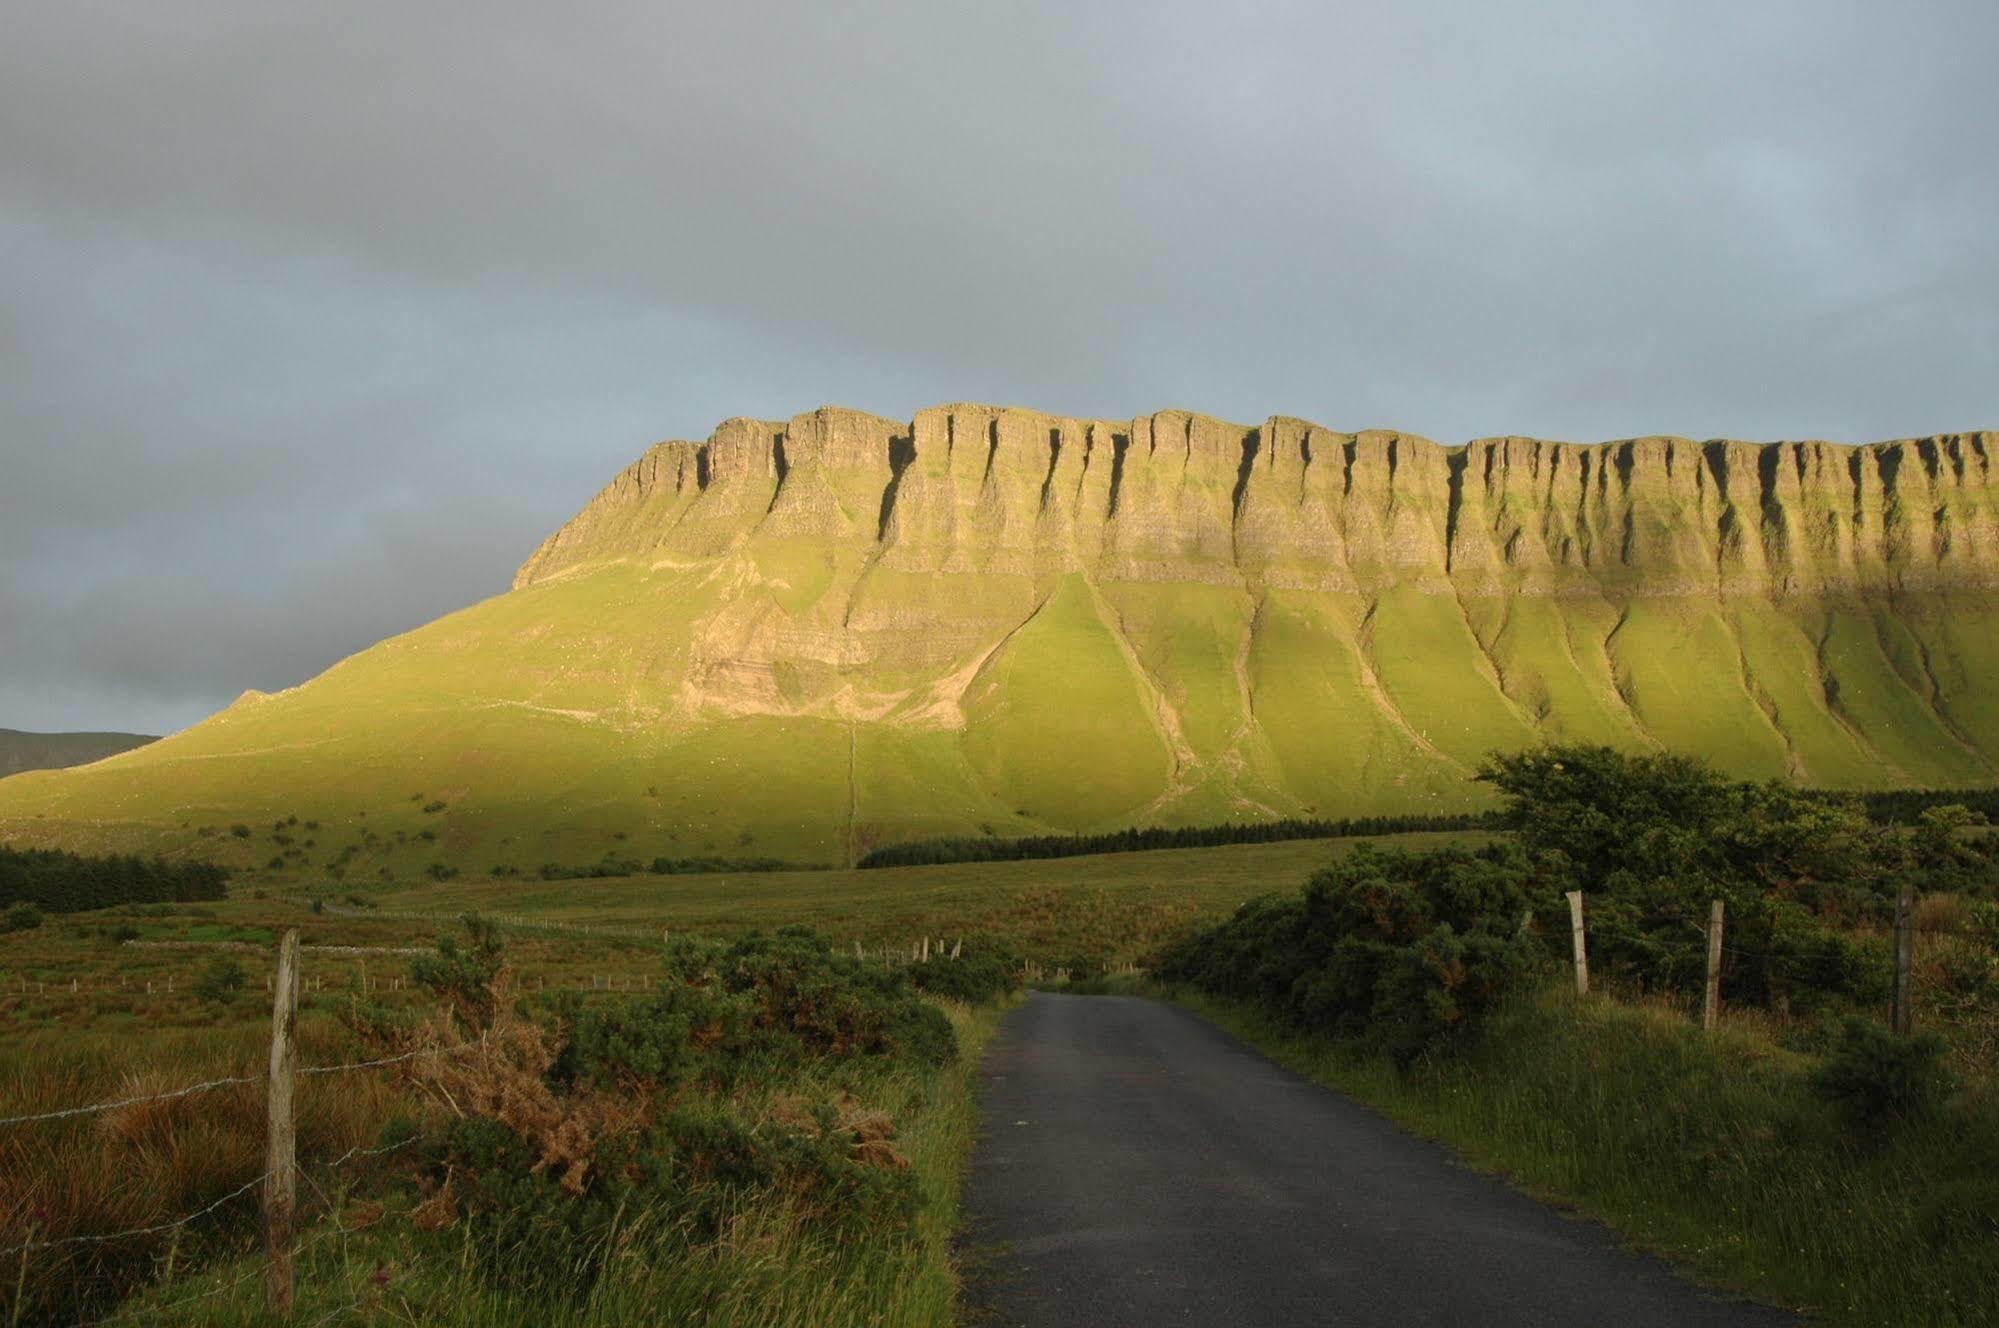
1140	1166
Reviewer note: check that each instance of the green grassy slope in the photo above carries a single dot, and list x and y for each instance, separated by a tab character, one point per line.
612	712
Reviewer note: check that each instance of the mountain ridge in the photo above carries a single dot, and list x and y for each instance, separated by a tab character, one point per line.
22	750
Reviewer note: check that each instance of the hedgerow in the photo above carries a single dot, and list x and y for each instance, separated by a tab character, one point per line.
1392	949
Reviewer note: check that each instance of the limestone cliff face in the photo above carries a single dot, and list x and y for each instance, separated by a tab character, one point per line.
1177	497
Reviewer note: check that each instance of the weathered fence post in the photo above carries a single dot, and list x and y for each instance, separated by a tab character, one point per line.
1575	898
1903	1015
1711	999
281	1148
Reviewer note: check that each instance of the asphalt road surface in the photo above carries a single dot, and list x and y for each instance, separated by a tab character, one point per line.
1140	1166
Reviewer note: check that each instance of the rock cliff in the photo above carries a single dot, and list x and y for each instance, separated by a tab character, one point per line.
1178	497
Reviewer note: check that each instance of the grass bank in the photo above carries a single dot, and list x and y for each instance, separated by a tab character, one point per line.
1710	1150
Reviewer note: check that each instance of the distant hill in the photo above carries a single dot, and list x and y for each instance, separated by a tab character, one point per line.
804	639
53	751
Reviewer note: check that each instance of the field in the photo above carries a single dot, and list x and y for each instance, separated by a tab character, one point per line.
1103	910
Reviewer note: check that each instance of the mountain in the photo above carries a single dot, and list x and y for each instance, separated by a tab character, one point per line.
803	638
21	751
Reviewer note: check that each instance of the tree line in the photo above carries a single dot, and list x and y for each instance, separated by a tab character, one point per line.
991	848
1882	806
59	882
1906	806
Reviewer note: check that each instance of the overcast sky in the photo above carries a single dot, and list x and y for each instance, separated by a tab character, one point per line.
316	318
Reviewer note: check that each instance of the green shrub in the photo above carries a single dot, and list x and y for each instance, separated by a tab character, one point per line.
1876	1078
20	917
985	970
464	974
1392	949
1653	839
220	980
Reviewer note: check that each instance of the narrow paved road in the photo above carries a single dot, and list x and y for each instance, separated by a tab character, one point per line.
1140	1166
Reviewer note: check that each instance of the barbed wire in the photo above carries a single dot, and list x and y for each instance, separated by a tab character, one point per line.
390	1060
206	1085
236	1193
358	1151
189	1091
319	1238
251	1274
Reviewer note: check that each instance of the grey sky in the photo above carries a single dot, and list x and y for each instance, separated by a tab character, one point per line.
315	318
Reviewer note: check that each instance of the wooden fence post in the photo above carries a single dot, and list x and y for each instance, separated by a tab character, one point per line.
281	1148
1711	999
1575	898
1903	1015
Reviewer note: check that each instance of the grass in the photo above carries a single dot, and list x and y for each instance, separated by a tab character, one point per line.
1711	1150
1103	909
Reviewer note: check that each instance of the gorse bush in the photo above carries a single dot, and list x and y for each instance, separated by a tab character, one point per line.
1391	949
220	980
465	974
1652	839
984	970
760	1005
672	1111
1876	1077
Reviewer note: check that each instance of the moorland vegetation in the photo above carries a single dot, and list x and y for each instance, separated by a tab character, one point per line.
769	1132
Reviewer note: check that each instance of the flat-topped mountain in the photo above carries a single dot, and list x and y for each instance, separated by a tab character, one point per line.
803	638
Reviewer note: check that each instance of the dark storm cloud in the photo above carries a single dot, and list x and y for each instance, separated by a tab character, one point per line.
314	319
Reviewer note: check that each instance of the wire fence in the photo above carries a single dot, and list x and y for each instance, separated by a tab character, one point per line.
278	1164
